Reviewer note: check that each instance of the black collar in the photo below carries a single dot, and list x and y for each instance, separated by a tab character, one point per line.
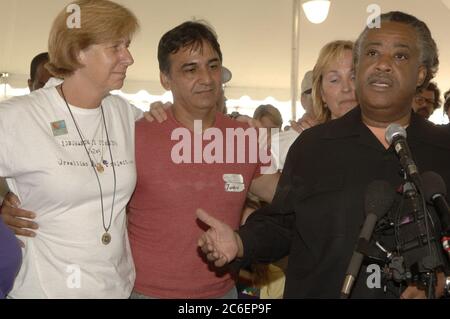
418	131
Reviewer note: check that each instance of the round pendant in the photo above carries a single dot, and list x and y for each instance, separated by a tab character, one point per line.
106	238
99	167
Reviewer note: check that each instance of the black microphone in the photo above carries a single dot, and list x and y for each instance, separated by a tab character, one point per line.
378	200
435	191
396	135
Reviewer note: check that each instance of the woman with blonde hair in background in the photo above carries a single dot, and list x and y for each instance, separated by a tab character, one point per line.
333	93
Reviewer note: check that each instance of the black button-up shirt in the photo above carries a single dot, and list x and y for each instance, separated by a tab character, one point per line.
318	209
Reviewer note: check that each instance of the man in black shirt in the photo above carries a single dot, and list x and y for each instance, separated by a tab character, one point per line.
318	209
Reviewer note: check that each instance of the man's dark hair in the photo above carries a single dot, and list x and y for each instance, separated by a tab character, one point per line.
427	46
437	94
37	60
188	34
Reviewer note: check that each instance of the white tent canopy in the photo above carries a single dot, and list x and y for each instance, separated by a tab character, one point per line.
255	37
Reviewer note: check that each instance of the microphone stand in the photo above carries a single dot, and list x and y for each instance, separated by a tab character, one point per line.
428	264
432	281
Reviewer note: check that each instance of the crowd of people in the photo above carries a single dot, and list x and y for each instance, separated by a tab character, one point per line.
107	202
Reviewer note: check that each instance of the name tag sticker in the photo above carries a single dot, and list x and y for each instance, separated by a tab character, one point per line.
233	178
234	187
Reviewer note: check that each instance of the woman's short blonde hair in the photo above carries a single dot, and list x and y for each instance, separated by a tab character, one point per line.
269	111
330	53
102	21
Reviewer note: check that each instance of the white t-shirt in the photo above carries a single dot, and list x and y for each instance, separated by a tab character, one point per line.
283	140
48	168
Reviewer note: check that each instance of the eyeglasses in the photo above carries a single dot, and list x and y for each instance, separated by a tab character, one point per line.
424	101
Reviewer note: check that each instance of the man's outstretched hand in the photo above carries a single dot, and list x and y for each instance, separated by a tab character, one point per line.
219	243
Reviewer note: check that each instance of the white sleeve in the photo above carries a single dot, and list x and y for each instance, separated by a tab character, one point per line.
281	142
138	113
6	138
275	151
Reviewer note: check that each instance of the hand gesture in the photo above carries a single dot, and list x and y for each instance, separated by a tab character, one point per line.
219	243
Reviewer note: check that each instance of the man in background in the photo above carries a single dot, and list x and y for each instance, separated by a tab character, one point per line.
427	100
39	75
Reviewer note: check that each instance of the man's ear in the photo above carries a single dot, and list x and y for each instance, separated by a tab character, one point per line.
422	75
165	80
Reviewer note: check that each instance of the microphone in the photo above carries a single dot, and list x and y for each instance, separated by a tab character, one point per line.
378	200
435	191
396	135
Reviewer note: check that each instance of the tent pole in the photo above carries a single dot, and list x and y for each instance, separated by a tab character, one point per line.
295	57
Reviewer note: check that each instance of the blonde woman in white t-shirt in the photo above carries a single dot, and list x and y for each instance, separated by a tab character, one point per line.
68	153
